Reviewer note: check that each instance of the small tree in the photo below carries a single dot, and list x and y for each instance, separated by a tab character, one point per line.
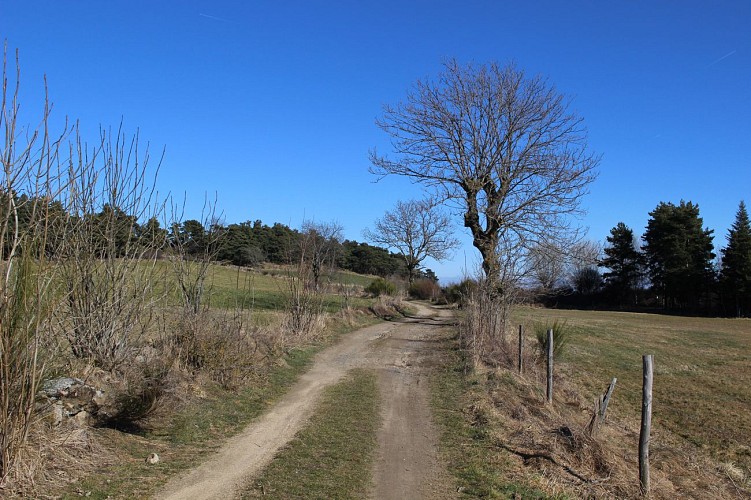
314	249
735	274
321	242
625	263
417	230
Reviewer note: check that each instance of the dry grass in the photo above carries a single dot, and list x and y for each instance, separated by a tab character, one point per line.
702	406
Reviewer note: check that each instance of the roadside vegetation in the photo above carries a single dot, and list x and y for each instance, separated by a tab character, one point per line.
501	438
200	405
120	318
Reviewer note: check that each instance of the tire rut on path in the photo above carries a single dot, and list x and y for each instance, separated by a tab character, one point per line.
407	463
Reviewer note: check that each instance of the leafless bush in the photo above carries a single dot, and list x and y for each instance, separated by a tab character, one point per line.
29	182
108	273
347	292
387	307
490	302
424	289
304	306
304	293
193	248
224	346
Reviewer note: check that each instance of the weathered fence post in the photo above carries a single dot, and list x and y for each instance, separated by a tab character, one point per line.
646	424
601	409
521	349
606	400
550	365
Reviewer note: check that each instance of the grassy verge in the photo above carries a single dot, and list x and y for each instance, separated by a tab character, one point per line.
197	429
702	388
332	456
481	469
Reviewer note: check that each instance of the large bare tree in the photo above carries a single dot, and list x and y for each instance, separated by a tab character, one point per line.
503	146
417	230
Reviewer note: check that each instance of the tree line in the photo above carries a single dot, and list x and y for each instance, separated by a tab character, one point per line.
673	267
249	243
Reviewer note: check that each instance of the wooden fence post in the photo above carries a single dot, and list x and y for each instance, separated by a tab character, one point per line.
521	349
646	424
606	400
550	365
600	409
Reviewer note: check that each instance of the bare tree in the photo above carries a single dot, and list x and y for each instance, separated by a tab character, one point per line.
500	144
313	249
318	246
548	266
583	274
417	230
555	264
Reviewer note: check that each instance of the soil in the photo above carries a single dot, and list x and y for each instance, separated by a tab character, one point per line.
407	463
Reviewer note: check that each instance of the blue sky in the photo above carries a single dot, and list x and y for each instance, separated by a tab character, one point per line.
271	104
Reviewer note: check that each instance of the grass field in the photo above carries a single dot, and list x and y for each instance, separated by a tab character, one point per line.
265	290
702	381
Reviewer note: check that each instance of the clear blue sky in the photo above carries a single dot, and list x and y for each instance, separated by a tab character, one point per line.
271	104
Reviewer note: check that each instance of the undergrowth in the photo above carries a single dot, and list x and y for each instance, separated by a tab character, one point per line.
189	430
481	470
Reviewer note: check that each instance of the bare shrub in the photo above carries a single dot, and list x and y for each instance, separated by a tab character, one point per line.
304	304
483	325
194	245
304	294
424	289
107	272
224	346
387	307
29	182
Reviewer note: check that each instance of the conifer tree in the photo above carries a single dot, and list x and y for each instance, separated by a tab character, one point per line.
735	274
625	264
679	255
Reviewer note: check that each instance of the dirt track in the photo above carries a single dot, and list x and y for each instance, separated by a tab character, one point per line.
407	463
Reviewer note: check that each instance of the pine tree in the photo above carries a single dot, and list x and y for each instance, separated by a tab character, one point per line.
735	275
679	255
625	263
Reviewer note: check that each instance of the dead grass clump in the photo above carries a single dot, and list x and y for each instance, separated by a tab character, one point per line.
387	307
554	452
53	456
222	345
